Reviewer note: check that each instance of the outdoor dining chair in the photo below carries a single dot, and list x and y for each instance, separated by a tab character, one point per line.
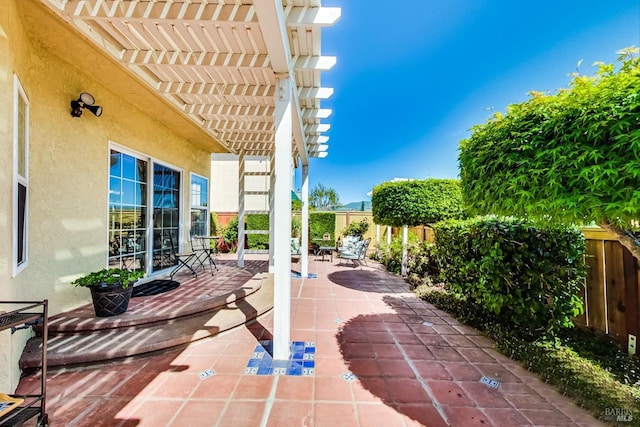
357	254
203	253
182	260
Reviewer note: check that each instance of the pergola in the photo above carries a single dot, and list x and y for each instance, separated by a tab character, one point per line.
247	72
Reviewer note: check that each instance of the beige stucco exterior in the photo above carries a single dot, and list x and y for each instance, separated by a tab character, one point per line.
68	158
225	168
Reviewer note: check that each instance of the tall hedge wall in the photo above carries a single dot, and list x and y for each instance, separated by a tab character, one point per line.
321	223
257	222
513	268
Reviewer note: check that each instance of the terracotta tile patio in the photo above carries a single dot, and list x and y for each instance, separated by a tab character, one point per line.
410	365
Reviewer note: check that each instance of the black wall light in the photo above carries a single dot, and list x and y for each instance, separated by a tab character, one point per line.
85	100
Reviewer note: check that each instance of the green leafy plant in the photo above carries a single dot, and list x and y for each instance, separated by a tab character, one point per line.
508	266
230	234
109	277
321	223
296	227
356	228
257	222
416	202
391	255
570	157
214	225
421	264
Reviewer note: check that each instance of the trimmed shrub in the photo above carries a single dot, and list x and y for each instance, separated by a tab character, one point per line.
416	202
321	223
257	222
508	266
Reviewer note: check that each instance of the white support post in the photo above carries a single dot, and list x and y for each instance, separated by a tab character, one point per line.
377	234
241	209
405	238
304	255
389	235
282	220
272	184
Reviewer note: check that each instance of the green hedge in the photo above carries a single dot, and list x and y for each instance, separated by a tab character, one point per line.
510	267
416	202
257	222
321	223
572	155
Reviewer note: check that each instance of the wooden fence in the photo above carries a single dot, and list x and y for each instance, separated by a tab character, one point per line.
610	294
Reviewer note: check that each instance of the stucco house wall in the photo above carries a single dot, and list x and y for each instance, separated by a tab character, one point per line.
225	168
69	159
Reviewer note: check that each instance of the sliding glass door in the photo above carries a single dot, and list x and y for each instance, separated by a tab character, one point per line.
127	212
166	215
133	221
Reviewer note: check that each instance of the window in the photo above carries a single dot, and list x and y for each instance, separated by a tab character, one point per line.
166	215
127	211
199	205
144	212
20	176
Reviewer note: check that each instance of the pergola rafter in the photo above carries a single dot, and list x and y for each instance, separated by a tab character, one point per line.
218	61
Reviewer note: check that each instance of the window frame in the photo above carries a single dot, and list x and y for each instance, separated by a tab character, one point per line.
193	206
150	227
19	180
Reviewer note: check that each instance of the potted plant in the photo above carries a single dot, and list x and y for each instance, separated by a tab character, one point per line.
110	289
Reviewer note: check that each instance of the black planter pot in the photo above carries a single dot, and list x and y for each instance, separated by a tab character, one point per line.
110	300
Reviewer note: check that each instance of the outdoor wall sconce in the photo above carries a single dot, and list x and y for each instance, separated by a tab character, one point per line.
85	100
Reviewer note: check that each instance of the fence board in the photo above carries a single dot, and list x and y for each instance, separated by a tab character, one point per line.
632	299
616	292
581	319
595	286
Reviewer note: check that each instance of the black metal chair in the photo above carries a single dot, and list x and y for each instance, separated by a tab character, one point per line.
202	252
183	260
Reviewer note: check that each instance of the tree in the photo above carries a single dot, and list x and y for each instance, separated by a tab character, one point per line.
416	202
571	157
324	198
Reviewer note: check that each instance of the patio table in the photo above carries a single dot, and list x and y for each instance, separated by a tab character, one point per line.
325	250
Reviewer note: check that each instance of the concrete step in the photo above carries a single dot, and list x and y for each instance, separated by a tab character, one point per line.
73	343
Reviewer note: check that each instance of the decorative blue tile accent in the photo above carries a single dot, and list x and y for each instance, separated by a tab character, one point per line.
490	382
301	360
207	373
349	377
298	275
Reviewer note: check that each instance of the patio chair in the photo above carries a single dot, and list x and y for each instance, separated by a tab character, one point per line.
202	252
358	255
349	244
296	250
183	260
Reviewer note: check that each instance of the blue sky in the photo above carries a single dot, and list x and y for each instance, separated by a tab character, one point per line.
412	77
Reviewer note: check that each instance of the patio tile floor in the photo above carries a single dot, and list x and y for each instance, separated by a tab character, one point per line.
361	322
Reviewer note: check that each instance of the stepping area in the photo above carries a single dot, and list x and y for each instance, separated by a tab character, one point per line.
381	357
